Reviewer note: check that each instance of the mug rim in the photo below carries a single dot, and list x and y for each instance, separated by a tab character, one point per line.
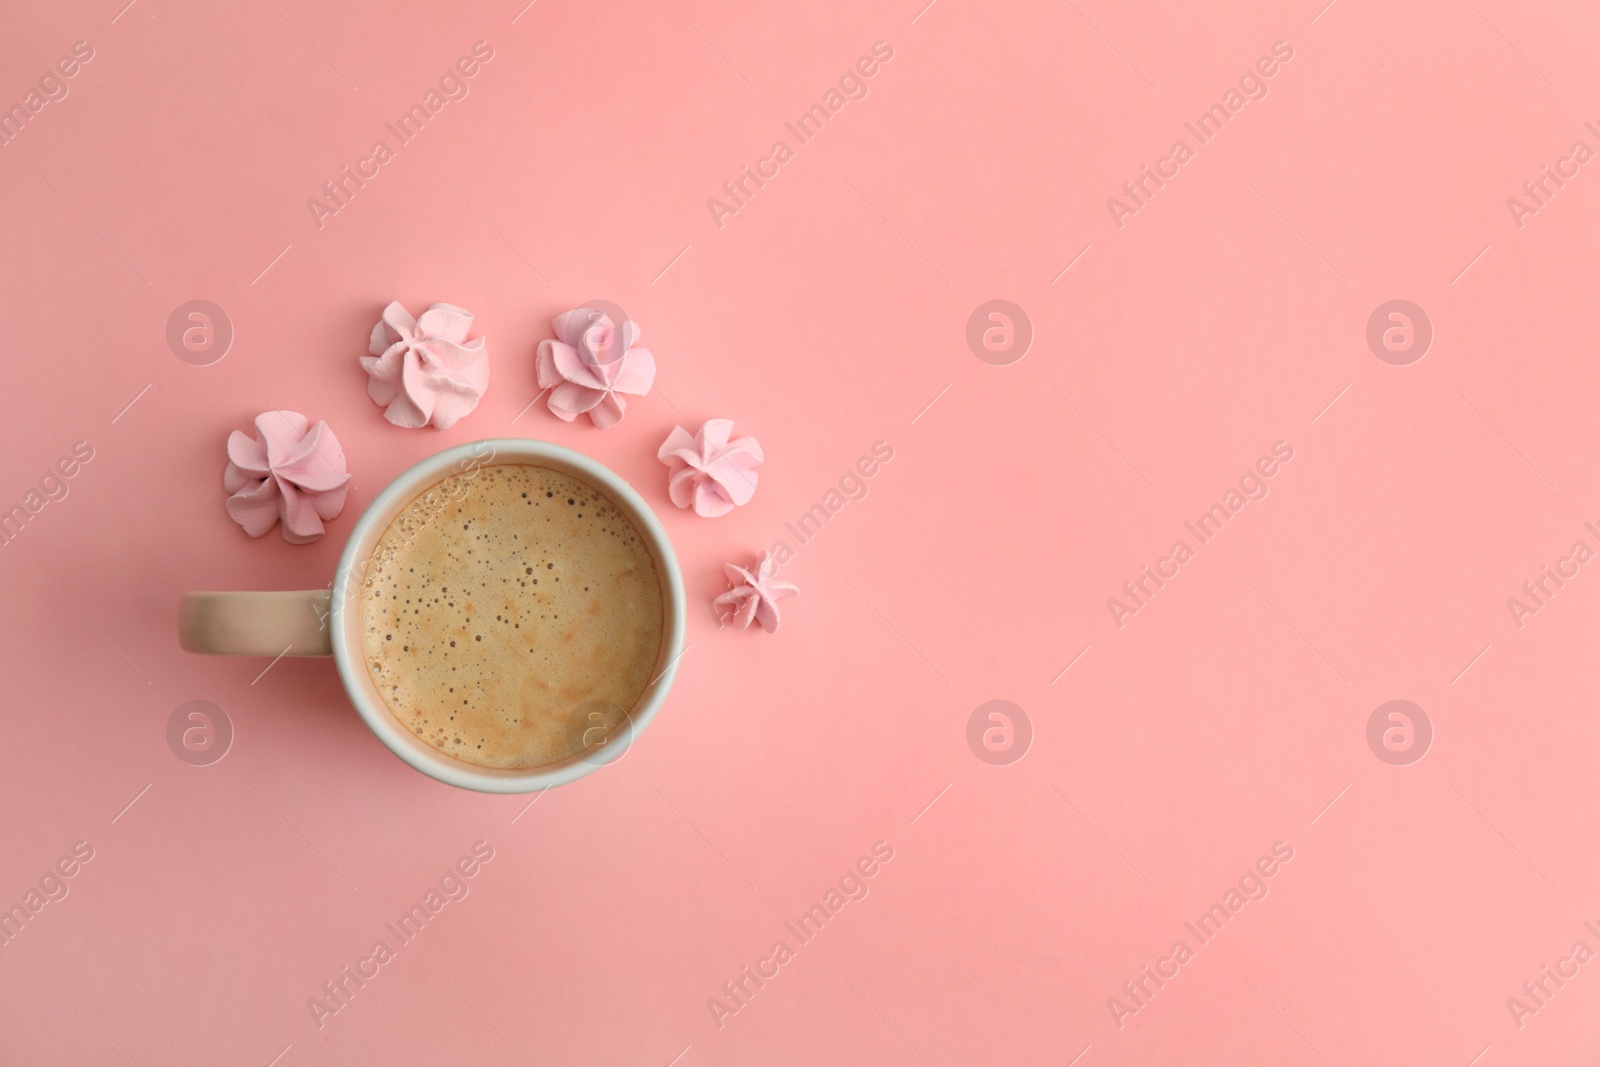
376	519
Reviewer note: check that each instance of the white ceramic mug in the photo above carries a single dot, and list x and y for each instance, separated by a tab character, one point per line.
327	622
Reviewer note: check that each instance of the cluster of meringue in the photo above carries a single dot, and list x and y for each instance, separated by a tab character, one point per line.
708	471
424	371
290	472
754	594
591	363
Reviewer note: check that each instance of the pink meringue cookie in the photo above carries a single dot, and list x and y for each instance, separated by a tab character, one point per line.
425	370
755	596
291	471
709	471
590	363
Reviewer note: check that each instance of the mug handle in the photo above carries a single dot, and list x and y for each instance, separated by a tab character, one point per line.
293	623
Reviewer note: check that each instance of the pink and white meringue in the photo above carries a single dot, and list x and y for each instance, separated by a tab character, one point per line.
755	596
425	370
708	471
590	363
290	471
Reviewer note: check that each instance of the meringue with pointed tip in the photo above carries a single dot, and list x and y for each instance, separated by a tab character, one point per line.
424	370
290	471
589	365
755	594
708	471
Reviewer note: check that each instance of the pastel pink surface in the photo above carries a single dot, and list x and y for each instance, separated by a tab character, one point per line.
827	314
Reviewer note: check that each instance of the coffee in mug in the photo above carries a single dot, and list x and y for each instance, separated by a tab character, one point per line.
510	616
506	616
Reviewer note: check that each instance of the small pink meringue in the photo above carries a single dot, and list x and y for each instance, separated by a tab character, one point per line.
291	471
590	363
425	370
755	596
708	471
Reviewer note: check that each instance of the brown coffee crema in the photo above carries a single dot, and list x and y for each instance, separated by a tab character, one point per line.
511	616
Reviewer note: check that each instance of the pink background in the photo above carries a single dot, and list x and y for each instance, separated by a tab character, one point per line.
1229	714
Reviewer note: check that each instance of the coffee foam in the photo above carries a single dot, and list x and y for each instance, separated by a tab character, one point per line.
511	616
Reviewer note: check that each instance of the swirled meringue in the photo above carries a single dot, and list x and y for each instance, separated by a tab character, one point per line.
590	363
290	471
425	370
755	594
708	471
